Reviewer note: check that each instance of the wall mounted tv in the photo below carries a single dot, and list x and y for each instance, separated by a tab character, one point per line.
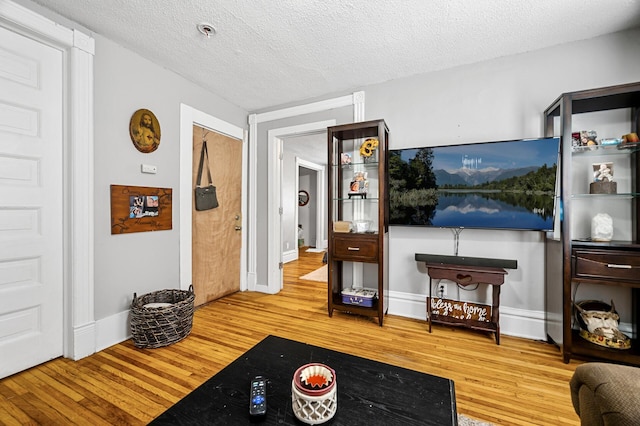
490	185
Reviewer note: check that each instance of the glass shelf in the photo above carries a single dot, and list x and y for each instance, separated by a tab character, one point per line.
598	150
359	164
587	241
621	196
357	198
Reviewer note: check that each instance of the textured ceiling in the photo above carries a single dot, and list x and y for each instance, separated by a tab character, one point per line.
268	53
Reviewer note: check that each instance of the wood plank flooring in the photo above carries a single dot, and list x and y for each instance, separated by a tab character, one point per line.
520	382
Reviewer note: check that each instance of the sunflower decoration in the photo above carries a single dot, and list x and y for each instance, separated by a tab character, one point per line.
368	147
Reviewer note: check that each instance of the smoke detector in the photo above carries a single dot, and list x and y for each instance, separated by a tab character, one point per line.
206	29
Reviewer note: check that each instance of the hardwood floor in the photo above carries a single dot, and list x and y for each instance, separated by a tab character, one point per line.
520	382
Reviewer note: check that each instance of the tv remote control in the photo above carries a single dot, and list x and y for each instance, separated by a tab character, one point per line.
258	396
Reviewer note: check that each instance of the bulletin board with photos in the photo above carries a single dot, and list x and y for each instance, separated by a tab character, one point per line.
140	209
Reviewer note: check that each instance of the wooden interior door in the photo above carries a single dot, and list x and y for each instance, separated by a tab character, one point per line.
217	233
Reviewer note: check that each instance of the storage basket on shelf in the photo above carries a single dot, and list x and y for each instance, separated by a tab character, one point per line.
169	321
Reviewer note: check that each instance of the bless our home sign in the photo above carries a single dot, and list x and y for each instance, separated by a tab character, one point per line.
460	310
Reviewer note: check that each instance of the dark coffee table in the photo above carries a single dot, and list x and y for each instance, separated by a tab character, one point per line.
369	392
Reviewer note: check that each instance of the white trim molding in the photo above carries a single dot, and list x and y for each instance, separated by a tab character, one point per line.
289	256
252	275
356	99
513	321
81	204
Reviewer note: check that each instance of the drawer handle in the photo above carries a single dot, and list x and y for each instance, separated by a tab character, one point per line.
613	265
353	248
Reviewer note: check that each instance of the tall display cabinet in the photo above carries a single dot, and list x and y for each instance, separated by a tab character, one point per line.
358	247
578	261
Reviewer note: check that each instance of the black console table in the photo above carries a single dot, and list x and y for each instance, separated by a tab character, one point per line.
466	271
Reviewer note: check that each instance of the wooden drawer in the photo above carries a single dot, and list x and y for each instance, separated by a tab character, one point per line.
466	275
355	248
606	265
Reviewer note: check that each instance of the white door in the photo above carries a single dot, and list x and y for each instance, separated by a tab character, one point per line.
31	200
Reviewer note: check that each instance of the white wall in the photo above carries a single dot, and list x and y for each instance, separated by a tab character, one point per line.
495	100
500	99
125	82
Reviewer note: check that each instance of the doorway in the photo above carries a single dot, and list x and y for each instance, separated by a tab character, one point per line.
277	138
335	107
216	233
303	170
308	211
313	176
190	117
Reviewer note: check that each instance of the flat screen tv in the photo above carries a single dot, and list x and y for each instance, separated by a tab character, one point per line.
489	185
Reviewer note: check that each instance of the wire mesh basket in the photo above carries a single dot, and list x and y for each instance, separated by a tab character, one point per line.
167	320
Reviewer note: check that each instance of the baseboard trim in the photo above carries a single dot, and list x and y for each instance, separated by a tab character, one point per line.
513	322
84	341
289	256
112	330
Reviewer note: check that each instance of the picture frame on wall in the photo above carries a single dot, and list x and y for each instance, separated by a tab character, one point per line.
144	129
140	209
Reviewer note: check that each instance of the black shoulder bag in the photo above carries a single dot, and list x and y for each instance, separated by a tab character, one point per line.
206	198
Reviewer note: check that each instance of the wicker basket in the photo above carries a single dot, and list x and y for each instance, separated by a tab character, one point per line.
157	327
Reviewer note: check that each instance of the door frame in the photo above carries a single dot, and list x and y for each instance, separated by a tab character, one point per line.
274	233
320	241
275	139
291	254
189	117
79	329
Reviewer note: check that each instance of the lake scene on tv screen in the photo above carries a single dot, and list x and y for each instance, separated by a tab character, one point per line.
496	185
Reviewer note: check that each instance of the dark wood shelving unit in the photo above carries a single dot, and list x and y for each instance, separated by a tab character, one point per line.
573	259
358	255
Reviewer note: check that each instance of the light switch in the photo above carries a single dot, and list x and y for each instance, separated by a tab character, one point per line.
148	168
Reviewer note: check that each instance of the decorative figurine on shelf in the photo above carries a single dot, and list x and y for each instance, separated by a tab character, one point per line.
603	179
602	227
599	324
368	148
629	140
603	172
359	185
